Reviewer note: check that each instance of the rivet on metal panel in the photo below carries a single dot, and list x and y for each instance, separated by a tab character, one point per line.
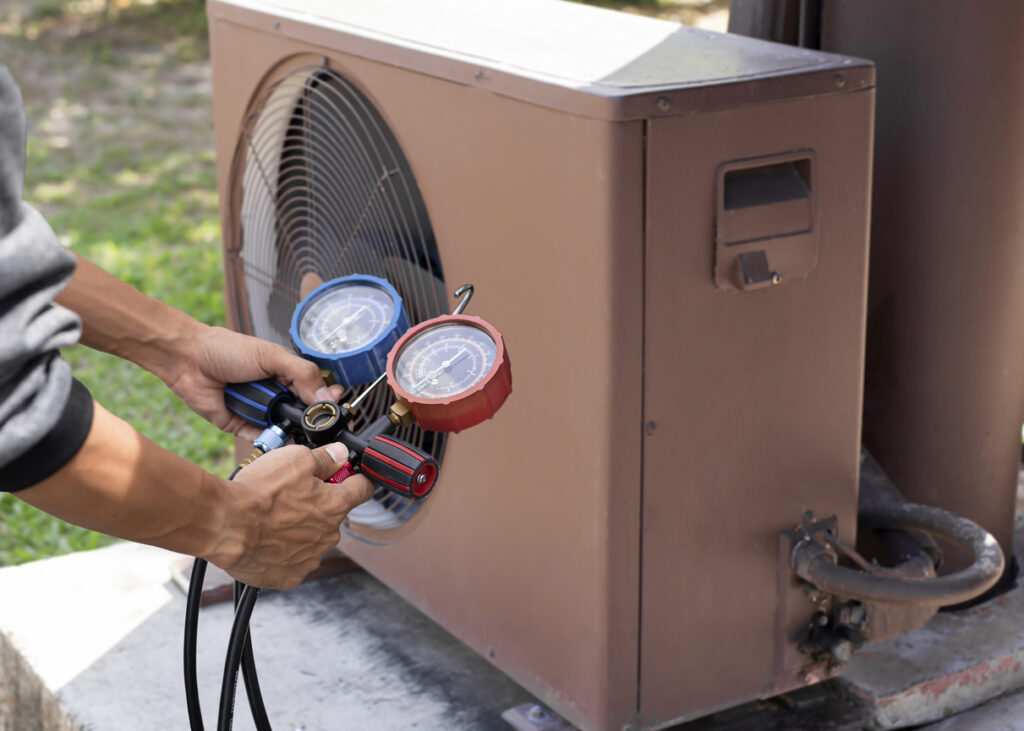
664	104
840	80
650	427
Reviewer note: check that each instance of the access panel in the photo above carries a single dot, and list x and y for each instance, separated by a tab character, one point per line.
752	390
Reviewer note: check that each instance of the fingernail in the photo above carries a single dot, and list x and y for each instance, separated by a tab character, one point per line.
324	394
338	452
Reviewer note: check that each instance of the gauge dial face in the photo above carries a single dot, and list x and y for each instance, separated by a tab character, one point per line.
445	361
346	318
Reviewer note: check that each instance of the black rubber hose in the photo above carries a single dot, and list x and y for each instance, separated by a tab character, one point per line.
249	675
236	646
195	595
815	563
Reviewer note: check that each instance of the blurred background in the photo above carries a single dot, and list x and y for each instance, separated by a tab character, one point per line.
120	161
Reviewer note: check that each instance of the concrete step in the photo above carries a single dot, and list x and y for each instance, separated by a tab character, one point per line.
93	641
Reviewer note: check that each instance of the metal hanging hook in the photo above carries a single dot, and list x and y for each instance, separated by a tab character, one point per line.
467	290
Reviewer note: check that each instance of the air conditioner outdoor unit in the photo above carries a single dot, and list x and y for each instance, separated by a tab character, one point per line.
668	225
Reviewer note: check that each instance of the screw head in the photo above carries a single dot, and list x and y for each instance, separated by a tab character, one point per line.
277	24
840	80
650	427
776	278
536	713
664	104
420	479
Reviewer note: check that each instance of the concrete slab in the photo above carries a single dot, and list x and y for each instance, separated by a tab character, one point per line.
96	639
958	660
1002	714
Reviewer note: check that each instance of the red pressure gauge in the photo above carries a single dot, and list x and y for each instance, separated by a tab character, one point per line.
452	371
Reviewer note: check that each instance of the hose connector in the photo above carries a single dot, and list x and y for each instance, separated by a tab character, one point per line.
271	438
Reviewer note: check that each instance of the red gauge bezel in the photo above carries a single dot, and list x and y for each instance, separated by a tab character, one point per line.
468	408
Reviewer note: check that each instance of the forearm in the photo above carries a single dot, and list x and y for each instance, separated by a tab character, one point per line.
121	320
123	484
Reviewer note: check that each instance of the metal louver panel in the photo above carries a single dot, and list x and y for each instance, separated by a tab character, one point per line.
320	189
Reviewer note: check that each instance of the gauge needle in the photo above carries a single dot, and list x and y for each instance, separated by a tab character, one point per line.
432	375
345	323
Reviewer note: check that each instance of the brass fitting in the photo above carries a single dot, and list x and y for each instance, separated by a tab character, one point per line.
400	414
255	454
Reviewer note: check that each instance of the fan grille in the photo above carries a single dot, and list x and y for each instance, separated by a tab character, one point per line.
320	189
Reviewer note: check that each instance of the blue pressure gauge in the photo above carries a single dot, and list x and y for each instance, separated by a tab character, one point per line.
348	325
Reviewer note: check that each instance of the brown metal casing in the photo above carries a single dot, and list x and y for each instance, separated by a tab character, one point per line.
627	580
944	395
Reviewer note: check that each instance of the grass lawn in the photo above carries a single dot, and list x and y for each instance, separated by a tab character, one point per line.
120	160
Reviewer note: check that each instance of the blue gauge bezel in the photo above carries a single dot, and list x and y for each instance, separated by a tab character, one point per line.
362	365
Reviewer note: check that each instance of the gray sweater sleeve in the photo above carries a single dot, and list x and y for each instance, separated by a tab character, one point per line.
45	414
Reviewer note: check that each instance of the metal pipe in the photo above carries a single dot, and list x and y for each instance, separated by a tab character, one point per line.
816	563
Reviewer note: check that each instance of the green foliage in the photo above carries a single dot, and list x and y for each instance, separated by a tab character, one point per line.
27	534
124	171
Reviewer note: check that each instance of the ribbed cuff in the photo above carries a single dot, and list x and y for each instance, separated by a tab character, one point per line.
55	449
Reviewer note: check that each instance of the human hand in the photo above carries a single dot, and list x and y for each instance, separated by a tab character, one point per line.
217	357
285	515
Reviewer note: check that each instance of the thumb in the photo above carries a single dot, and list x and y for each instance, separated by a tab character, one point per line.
301	374
352	492
329	459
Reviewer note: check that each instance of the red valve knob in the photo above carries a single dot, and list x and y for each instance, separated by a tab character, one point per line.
399	466
343	474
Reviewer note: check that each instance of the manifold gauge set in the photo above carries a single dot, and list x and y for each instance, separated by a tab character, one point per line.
447	374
